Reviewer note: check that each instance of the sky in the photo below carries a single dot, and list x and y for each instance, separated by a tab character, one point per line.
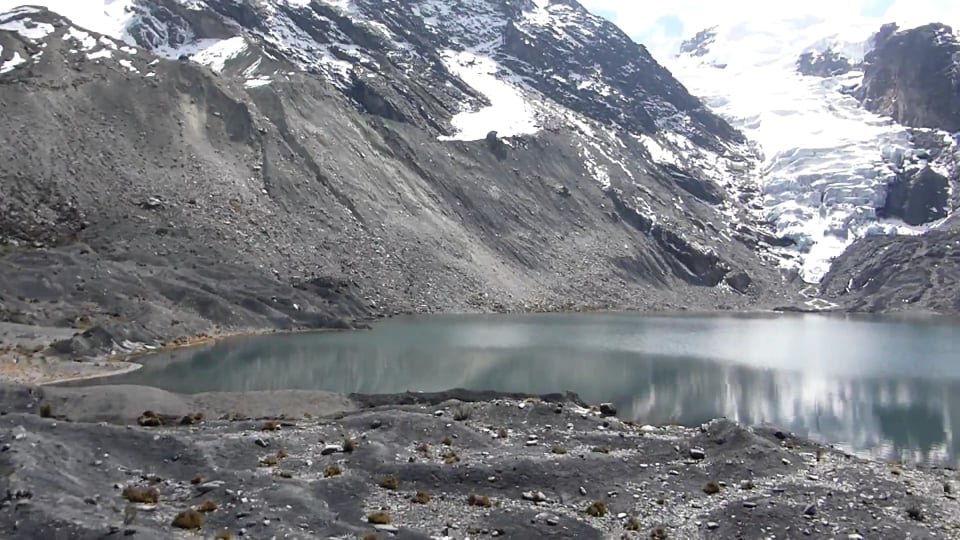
662	25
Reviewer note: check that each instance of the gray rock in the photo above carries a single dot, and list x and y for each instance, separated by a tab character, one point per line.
697	453
713	525
810	510
608	409
331	449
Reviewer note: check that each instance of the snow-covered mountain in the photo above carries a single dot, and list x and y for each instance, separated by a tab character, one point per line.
829	164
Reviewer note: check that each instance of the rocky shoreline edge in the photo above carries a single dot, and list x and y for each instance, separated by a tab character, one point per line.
126	461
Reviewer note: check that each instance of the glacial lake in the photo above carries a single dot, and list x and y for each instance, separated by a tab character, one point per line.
887	388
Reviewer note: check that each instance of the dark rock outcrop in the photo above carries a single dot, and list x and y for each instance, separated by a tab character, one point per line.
914	76
901	273
826	64
919	197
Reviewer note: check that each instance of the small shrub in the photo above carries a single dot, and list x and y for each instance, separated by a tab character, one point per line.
331	471
270	461
349	445
188	519
947	488
421	497
282	454
379	518
424	449
479	500
207	506
502	433
601	449
461	414
191	419
371	536
559	450
451	457
633	524
270	425
915	513
197	479
46	411
447	441
711	488
658	533
150	419
597	509
141	495
223	535
390	482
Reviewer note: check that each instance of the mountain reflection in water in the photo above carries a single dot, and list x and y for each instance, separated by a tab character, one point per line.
884	387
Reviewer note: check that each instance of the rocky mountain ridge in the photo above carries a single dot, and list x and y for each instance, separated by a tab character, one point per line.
226	165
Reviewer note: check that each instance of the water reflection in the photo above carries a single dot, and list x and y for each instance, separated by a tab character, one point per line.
888	388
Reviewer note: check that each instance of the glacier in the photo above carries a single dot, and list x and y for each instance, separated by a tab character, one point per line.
825	161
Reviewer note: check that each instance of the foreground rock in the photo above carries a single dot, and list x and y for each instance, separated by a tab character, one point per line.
419	465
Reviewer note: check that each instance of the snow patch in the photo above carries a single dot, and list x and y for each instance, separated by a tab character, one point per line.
509	113
28	29
12	63
257	82
213	53
108	17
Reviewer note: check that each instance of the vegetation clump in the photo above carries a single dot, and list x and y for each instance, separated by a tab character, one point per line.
141	495
479	500
559	450
270	425
197	479
421	497
207	506
331	471
349	445
191	419
190	520
379	518
711	488
390	482
46	411
597	509
149	419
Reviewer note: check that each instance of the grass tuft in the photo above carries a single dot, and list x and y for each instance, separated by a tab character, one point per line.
597	509
188	519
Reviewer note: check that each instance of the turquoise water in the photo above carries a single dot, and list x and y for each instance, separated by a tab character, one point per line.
889	388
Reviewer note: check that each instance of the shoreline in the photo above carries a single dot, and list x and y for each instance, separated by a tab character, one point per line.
44	373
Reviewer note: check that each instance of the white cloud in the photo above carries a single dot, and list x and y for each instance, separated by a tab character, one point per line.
649	21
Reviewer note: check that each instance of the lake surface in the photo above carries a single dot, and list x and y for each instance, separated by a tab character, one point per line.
882	387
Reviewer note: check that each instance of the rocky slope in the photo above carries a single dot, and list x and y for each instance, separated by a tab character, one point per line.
212	166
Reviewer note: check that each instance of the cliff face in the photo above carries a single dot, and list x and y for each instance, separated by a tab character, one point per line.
221	165
914	76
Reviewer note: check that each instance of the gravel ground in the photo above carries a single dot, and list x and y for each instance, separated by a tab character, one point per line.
278	465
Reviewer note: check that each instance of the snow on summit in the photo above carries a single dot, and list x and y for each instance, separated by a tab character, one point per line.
826	160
